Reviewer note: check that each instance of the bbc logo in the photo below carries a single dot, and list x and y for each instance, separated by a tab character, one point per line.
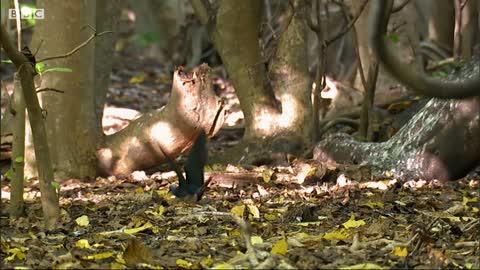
36	14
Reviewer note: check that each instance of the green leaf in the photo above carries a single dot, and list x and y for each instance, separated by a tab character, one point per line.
146	39
9	173
59	69
7	61
394	38
19	159
39	67
31	21
55	185
439	74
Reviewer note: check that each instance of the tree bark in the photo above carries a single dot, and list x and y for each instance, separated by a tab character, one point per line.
26	71
438	143
18	149
234	28
73	128
235	35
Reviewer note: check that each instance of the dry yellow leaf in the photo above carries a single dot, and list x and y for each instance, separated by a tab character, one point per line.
352	223
82	243
183	263
469	200
82	221
270	217
280	247
234	233
337	235
207	262
137	79
400	251
238	210
254	211
98	256
256	240
139	229
372	205
159	212
302	235
115	266
16	252
267	175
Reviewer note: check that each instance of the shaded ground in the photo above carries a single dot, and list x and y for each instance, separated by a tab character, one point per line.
135	222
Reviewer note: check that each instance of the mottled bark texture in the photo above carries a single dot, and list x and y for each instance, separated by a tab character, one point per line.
234	28
73	118
26	71
440	142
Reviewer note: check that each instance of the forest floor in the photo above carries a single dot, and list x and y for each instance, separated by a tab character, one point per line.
250	217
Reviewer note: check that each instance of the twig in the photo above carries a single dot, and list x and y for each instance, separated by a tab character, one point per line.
457	35
49	89
75	49
245	231
441	63
348	27
463	5
19	25
399	7
39	46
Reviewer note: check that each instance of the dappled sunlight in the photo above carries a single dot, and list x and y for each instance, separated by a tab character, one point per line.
269	121
163	133
116	119
266	121
290	110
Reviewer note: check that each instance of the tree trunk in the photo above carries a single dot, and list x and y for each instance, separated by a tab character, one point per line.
438	18
440	142
235	35
18	149
234	28
73	118
470	29
437	143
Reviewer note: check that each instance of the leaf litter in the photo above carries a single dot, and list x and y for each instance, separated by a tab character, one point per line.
268	222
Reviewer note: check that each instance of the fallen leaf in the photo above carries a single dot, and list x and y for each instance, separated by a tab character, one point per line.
139	229
352	223
400	251
98	256
82	221
270	217
254	211
256	240
337	235
280	247
82	243
183	263
238	210
372	205
137	79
